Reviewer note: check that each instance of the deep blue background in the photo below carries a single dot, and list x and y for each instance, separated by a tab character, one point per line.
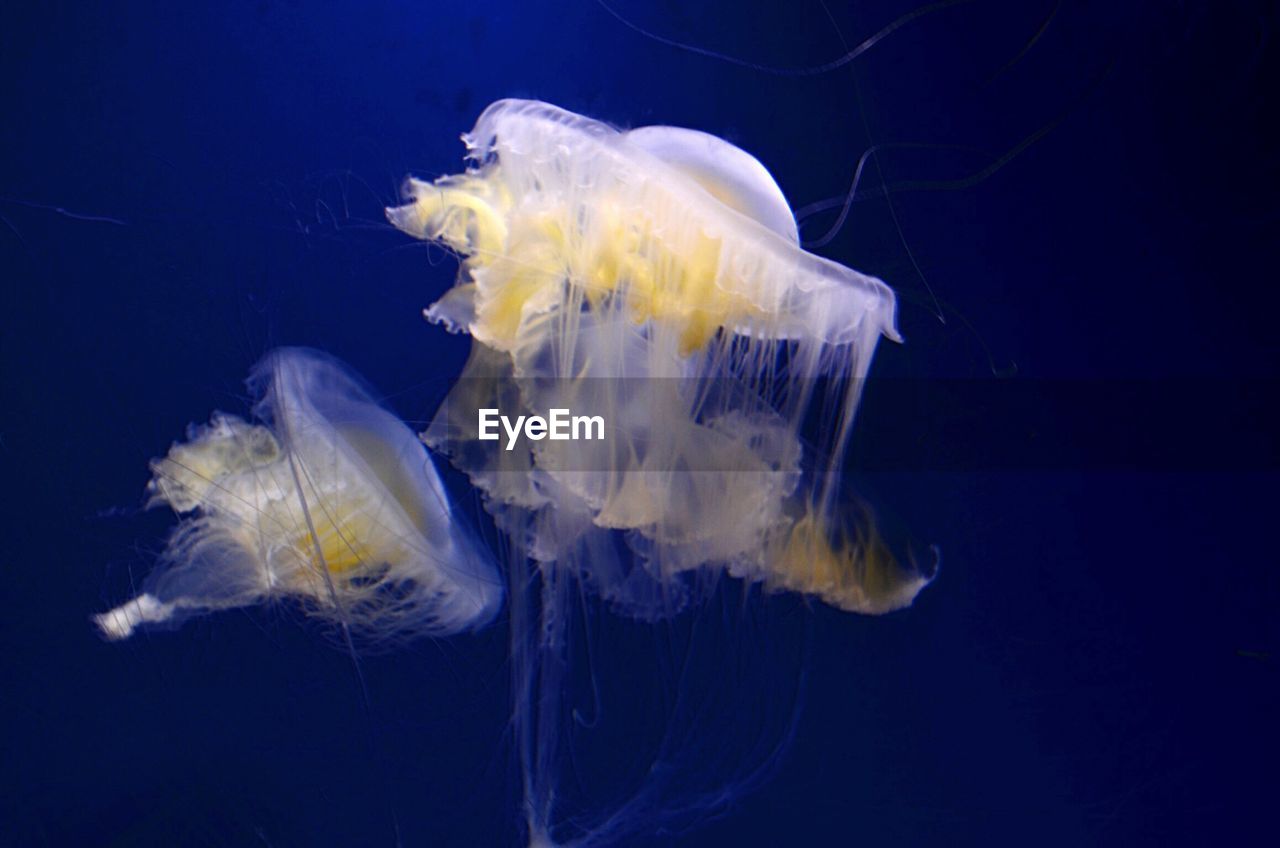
1096	663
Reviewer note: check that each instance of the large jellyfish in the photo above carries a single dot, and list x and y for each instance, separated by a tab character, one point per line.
652	278
329	500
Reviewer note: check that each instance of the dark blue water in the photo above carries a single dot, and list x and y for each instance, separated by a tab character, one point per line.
185	186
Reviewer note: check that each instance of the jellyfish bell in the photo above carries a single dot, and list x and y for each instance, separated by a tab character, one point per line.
726	172
328	500
681	226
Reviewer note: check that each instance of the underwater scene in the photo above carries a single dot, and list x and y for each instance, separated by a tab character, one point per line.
624	423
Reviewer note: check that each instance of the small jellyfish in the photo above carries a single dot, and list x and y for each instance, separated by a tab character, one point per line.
329	500
653	278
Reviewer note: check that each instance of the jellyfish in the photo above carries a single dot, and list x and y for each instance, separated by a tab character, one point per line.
654	278
328	500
